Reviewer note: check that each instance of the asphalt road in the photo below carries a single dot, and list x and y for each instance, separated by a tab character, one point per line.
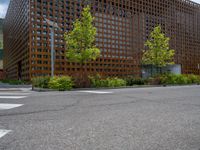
121	119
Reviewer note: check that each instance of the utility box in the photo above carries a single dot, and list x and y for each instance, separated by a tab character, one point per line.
175	69
150	70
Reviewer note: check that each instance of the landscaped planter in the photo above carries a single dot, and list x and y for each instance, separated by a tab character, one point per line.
107	88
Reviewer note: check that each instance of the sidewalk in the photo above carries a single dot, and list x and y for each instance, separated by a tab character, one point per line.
8	87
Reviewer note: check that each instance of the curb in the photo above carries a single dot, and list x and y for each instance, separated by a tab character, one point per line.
10	90
42	90
109	88
15	89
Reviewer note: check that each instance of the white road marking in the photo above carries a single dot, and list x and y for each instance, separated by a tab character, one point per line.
12	97
4	106
13	93
26	89
4	132
96	92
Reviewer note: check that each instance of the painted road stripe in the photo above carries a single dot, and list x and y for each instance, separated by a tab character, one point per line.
26	89
4	132
12	97
13	93
96	92
9	106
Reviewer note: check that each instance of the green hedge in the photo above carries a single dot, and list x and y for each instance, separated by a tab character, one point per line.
14	82
41	82
130	81
179	79
97	81
60	83
193	78
165	79
63	83
115	82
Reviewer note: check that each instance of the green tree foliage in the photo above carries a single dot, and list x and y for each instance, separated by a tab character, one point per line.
158	54
1	45
80	41
61	83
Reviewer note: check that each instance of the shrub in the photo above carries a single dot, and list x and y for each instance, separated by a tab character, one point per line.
41	82
97	81
13	82
168	79
182	79
154	80
130	81
193	78
16	82
61	83
179	79
115	82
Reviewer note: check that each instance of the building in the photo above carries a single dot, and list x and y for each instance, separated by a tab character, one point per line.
1	50
123	26
1	43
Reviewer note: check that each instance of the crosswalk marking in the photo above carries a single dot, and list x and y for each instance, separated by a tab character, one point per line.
14	94
12	97
7	106
4	106
4	132
96	92
26	89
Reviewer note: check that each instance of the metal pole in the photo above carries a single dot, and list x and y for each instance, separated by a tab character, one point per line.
52	51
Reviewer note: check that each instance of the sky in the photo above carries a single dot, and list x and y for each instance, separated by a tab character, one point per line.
197	1
4	6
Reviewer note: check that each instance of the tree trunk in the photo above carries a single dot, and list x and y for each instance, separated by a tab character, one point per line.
82	78
157	70
82	75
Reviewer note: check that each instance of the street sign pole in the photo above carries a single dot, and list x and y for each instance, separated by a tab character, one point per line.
52	51
53	26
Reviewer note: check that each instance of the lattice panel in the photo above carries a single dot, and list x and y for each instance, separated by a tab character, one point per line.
122	26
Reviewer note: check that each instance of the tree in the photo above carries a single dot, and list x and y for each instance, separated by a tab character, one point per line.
80	42
158	54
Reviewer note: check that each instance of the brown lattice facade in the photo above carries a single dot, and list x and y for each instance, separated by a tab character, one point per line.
122	26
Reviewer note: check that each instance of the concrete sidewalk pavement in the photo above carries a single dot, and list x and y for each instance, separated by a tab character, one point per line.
8	87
